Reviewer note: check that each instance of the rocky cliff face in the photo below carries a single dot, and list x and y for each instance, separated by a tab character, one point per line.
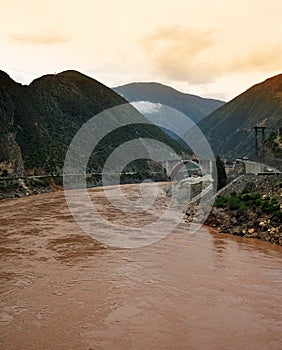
11	161
271	150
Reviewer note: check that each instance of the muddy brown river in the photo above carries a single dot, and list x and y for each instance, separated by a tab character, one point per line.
61	290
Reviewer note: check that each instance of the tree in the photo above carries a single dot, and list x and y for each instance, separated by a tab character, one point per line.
221	173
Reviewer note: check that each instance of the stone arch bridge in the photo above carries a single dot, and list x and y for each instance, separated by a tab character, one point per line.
172	166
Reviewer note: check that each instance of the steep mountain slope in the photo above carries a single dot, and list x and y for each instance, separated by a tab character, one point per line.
51	110
44	116
194	107
229	129
10	154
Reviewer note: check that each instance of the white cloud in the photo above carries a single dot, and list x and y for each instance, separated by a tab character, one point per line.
146	107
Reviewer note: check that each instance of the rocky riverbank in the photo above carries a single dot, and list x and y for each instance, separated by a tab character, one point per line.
14	187
249	207
246	224
21	187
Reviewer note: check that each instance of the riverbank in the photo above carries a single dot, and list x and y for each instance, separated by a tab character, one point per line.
249	207
16	187
27	186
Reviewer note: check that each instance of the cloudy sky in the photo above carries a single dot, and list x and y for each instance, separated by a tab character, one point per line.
211	48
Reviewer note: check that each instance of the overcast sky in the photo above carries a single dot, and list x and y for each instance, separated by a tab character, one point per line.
210	48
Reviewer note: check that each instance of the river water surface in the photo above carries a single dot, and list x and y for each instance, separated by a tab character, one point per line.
61	290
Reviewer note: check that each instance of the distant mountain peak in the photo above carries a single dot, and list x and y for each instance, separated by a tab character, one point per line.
74	74
195	107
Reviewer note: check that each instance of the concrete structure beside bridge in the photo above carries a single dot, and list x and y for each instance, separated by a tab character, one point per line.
257	168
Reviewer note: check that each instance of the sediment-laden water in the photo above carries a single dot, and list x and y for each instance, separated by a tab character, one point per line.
62	290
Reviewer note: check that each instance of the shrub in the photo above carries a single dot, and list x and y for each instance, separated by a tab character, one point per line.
220	202
246	197
277	216
243	206
245	190
234	203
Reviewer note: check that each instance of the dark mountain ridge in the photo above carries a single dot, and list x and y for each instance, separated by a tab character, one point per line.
38	122
229	129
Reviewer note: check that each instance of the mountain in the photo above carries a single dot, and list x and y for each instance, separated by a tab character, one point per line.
38	122
229	129
194	107
11	160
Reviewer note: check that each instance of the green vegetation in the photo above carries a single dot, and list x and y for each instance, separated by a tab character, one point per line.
246	200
